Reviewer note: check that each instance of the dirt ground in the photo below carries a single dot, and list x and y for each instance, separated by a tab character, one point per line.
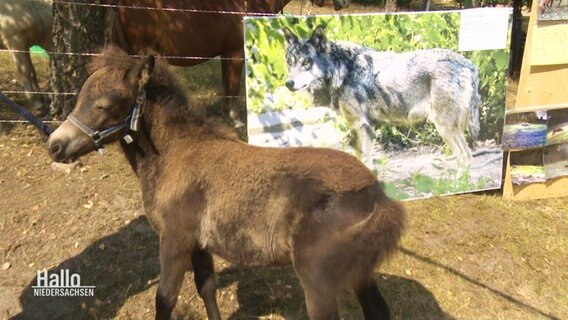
462	257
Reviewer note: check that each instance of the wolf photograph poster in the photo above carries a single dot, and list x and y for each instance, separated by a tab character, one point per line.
391	89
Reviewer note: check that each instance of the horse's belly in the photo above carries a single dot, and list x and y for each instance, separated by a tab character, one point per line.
191	36
247	244
243	252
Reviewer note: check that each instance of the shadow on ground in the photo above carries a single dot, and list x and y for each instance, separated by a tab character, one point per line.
121	265
270	292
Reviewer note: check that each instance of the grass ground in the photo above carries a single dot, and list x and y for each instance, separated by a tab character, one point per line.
462	257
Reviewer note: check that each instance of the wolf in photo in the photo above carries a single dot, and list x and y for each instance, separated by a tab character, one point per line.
370	87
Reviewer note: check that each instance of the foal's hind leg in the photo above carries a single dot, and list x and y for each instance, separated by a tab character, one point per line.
174	261
321	304
372	302
319	290
205	282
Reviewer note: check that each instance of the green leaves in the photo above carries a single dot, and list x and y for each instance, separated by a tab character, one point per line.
266	66
265	45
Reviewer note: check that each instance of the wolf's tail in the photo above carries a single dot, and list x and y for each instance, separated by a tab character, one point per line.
474	106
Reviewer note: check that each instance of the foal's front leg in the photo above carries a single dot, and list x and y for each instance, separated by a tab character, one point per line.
174	261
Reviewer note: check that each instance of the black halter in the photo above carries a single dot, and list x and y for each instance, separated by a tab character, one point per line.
130	124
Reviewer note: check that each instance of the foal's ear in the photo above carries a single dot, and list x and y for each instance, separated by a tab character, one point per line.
289	37
318	39
140	74
147	69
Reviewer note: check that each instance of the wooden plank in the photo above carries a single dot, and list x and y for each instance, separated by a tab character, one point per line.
540	87
549	45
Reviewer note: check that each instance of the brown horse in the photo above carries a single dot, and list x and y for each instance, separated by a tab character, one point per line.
200	29
206	192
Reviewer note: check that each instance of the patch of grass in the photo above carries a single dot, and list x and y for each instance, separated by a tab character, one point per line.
462	257
424	185
482	257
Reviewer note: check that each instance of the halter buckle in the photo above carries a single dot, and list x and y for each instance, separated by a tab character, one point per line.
137	110
128	139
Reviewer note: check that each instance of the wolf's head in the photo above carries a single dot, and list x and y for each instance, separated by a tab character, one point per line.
304	59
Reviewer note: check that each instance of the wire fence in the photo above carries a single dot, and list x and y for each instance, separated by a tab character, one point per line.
244	12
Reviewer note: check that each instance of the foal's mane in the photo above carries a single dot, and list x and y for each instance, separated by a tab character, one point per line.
163	88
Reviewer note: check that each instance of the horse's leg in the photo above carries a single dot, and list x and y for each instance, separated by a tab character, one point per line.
25	71
26	75
174	261
372	302
205	282
232	69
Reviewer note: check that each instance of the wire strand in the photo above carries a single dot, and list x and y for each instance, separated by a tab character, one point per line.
121	6
88	54
53	93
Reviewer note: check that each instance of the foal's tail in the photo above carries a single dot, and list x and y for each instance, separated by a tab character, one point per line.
372	240
382	229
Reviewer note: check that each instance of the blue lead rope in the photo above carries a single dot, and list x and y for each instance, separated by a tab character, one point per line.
44	128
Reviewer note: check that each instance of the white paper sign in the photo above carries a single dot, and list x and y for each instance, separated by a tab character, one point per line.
484	29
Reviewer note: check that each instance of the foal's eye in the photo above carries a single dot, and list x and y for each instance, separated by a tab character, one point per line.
102	106
104	103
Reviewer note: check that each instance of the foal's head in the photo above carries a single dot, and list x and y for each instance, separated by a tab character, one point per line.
105	106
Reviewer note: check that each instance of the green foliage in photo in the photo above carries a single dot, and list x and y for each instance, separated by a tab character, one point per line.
266	67
419	184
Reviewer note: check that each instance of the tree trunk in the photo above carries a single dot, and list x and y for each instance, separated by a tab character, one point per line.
77	28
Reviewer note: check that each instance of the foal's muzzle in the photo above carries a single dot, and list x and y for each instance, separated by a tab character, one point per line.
67	143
